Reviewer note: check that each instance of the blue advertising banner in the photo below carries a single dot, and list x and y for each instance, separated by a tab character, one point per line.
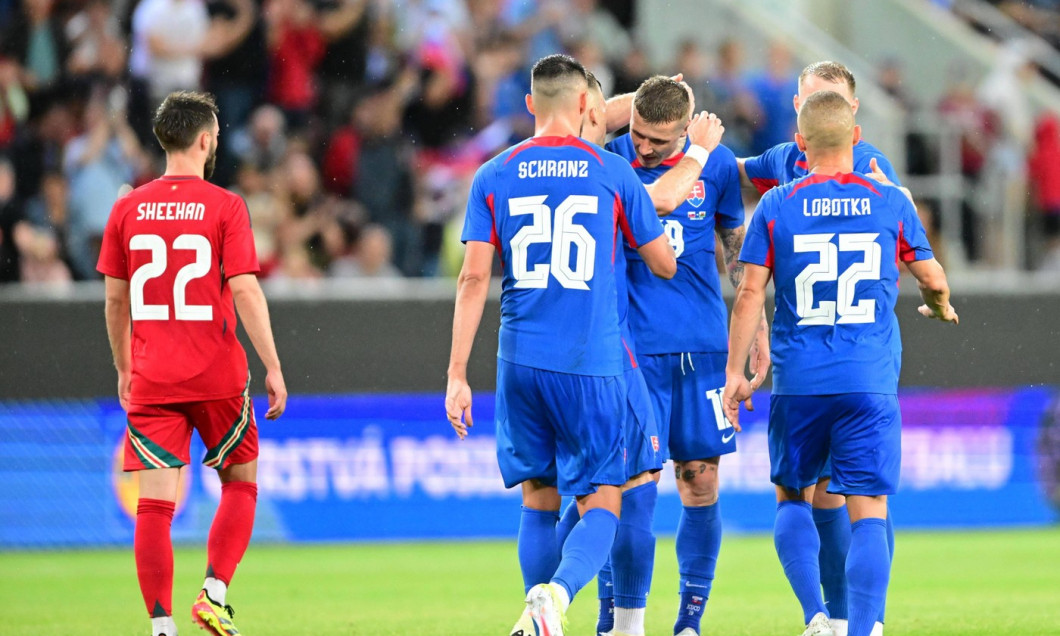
388	467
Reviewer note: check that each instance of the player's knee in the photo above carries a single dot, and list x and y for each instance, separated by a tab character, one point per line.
697	482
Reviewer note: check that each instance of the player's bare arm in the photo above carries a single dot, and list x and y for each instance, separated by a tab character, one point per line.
731	242
659	256
118	330
934	290
670	190
472	287
225	34
254	312
745	181
746	318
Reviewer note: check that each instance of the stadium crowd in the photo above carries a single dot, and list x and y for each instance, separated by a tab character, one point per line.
352	127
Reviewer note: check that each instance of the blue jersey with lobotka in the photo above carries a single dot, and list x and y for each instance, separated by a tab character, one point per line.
834	243
785	163
555	207
686	313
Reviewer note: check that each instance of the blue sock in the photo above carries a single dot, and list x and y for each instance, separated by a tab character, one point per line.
833	527
698	544
586	550
538	554
798	547
605	619
868	572
566	523
633	555
890	550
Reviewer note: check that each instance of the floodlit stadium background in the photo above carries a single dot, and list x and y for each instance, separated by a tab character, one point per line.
355	157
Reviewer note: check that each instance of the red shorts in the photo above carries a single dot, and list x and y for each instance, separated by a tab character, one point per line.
159	435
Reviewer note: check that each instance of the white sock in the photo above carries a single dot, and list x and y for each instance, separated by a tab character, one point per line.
877	629
839	626
629	620
163	625
561	594
216	589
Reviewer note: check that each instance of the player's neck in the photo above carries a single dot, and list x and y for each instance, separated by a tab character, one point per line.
557	125
828	163
680	149
183	165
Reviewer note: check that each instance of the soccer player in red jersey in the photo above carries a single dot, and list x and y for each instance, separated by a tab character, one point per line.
176	253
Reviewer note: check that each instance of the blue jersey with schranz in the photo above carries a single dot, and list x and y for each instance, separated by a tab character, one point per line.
557	209
686	313
833	243
785	163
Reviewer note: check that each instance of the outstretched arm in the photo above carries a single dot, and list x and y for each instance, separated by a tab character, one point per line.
254	312
746	318
934	290
472	287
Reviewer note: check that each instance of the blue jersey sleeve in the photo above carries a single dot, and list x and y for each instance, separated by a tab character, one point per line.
758	244
913	243
762	170
636	213
730	212
479	221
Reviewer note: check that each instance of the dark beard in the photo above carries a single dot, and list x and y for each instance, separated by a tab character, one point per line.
211	163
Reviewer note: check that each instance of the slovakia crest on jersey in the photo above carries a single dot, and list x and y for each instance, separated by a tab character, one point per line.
697	195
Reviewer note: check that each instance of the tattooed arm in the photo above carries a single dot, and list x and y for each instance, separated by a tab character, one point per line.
731	242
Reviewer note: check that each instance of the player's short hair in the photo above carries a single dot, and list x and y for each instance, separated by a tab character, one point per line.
826	121
181	117
661	100
829	71
556	74
594	82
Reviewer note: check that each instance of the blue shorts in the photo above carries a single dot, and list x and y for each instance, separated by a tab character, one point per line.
686	391
562	429
862	431
642	434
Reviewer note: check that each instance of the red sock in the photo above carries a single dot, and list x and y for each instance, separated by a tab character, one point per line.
230	532
153	548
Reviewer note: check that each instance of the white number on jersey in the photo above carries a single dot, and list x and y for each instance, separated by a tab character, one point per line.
565	237
675	233
826	269
157	265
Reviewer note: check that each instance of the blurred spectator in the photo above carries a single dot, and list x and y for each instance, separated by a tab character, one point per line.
167	45
39	149
919	155
369	255
296	47
97	48
773	89
97	164
40	237
262	143
237	72
586	21
267	212
1043	169
11	214
14	103
35	40
731	99
345	25
633	70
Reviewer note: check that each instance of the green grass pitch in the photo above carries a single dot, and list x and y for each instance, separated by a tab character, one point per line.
944	583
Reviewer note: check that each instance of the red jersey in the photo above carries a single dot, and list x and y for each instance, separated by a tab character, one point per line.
178	240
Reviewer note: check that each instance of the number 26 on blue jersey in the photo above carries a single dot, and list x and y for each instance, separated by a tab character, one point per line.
566	237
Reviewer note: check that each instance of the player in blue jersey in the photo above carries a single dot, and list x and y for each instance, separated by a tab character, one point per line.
554	207
624	582
783	164
832	241
679	325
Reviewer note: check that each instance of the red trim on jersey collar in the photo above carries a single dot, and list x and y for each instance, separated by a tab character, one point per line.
552	142
801	163
180	177
845	179
669	163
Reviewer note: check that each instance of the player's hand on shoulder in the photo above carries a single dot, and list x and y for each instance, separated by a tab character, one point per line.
458	406
947	314
277	392
705	129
